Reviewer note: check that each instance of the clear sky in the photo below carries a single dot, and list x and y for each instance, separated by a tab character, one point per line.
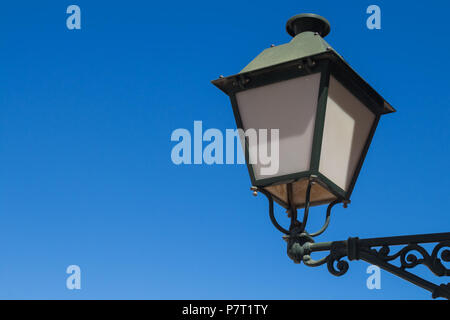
86	176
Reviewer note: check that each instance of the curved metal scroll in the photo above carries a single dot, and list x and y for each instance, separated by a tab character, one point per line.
271	213
299	225
327	219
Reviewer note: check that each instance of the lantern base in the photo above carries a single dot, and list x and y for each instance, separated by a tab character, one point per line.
319	194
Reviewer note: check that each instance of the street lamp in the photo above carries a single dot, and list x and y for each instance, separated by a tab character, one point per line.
326	115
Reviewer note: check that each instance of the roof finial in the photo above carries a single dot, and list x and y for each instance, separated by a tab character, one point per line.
308	22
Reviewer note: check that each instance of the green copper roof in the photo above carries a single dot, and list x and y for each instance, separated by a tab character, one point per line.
278	62
303	45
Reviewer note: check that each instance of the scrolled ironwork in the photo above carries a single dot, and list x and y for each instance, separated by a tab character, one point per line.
413	254
408	257
340	268
440	268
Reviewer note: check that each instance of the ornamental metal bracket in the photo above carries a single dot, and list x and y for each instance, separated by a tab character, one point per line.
376	251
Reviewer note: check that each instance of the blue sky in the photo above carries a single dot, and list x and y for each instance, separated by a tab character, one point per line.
86	176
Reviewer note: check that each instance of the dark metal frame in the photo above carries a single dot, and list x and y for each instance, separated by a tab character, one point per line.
376	251
328	64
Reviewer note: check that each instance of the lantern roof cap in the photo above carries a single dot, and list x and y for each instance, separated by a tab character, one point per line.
308	22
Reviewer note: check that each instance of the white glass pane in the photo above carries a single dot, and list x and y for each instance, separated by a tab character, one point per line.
347	125
289	106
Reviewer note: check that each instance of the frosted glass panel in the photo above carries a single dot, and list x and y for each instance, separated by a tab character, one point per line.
347	126
289	106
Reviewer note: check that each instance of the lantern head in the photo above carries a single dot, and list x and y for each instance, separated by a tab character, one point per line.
325	113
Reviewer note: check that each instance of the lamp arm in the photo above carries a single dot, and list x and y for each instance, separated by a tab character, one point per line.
376	251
